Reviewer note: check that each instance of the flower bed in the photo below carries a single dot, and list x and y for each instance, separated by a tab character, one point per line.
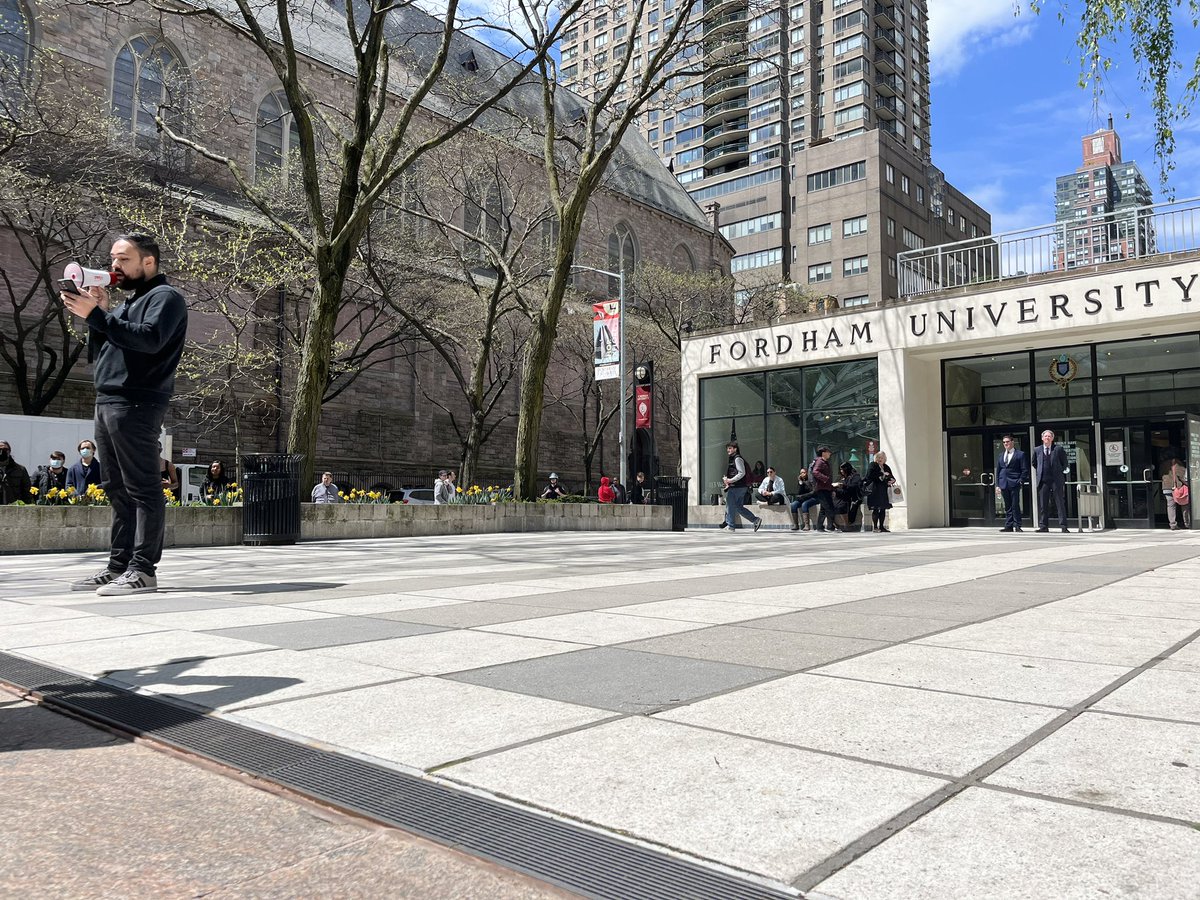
28	529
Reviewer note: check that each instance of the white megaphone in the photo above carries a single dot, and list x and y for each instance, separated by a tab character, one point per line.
85	278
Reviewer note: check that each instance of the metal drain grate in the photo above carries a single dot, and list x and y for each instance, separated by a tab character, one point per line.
579	859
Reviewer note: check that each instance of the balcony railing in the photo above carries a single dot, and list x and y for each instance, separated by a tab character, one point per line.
1135	233
735	147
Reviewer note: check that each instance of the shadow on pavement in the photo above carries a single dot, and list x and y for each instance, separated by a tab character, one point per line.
25	727
279	587
226	690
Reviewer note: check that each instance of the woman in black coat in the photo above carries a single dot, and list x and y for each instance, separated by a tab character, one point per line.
878	485
848	494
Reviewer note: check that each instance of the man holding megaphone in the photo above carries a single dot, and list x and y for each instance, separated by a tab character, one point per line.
136	348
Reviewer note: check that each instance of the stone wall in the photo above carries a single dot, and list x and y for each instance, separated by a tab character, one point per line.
31	529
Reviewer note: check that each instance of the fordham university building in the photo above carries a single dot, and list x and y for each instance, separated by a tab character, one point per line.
1107	356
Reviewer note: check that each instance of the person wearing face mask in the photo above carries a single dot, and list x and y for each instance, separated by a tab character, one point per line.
14	478
135	347
86	471
53	476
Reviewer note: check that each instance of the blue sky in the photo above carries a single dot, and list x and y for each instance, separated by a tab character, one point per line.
1008	113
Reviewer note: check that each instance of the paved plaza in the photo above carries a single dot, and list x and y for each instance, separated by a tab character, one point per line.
924	714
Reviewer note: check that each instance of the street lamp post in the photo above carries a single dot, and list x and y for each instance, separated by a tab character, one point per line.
620	276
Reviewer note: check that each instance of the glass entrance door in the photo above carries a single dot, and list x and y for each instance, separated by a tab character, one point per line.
972	477
1136	457
1077	440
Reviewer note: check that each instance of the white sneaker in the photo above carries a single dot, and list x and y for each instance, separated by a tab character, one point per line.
132	582
100	579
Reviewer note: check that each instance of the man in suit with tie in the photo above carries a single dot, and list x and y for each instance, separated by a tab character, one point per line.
1012	471
1050	464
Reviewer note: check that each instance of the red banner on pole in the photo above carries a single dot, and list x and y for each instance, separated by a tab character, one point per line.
643	406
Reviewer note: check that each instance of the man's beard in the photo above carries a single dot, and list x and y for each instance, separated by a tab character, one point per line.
129	283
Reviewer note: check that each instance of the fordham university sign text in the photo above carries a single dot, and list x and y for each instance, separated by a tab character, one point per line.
1063	305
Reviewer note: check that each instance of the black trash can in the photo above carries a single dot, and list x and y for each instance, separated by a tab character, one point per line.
672	491
271	498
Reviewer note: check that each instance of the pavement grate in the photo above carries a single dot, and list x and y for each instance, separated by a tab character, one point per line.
571	856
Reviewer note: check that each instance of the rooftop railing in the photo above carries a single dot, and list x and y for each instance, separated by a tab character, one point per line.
1088	240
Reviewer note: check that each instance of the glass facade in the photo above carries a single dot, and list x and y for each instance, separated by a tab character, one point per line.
1117	380
781	417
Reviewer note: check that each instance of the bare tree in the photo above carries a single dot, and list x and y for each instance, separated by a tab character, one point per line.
581	136
56	206
414	82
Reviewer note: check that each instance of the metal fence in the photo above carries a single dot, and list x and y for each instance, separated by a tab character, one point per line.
1087	240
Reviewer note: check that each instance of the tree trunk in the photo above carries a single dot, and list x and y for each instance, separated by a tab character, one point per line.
313	376
471	449
533	397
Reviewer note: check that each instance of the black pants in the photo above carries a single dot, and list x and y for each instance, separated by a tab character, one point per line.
1059	491
828	512
774	498
127	436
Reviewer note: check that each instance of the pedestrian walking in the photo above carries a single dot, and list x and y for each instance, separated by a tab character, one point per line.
737	482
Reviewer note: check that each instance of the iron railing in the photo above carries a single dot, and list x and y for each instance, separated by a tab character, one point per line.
1088	240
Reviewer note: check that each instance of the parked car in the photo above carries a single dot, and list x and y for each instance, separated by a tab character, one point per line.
413	496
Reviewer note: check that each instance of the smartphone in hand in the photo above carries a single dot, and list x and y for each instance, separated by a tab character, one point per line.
67	286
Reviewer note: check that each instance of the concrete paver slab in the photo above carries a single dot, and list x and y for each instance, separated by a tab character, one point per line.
324	632
836	621
374	604
757	806
230	617
1002	676
1150	767
153	604
231	682
593	627
449	651
1159	692
944	733
422	722
691	609
26	614
785	650
1032	849
616	679
470	615
496	591
1111	648
1168	630
139	651
61	631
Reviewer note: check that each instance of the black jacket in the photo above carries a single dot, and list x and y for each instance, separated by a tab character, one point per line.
14	482
136	347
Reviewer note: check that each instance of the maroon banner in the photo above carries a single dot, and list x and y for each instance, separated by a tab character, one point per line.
643	406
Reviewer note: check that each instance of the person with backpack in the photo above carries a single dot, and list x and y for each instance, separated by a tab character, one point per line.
737	486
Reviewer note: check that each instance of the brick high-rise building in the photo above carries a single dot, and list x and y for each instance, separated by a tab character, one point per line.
1096	206
807	122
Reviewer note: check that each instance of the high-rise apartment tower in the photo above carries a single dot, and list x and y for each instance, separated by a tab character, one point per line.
1096	206
806	122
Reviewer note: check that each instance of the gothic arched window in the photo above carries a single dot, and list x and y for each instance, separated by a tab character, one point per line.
16	42
148	81
622	256
275	136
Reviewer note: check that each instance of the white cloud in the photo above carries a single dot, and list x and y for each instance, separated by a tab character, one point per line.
960	31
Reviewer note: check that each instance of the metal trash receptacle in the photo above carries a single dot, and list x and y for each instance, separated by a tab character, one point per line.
672	491
271	498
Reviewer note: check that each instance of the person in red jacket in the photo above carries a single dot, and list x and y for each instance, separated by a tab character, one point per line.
606	493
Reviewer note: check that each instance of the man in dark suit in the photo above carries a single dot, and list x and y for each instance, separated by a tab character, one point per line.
1012	471
1050	463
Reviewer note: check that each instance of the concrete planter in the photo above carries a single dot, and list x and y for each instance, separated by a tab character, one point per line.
30	529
